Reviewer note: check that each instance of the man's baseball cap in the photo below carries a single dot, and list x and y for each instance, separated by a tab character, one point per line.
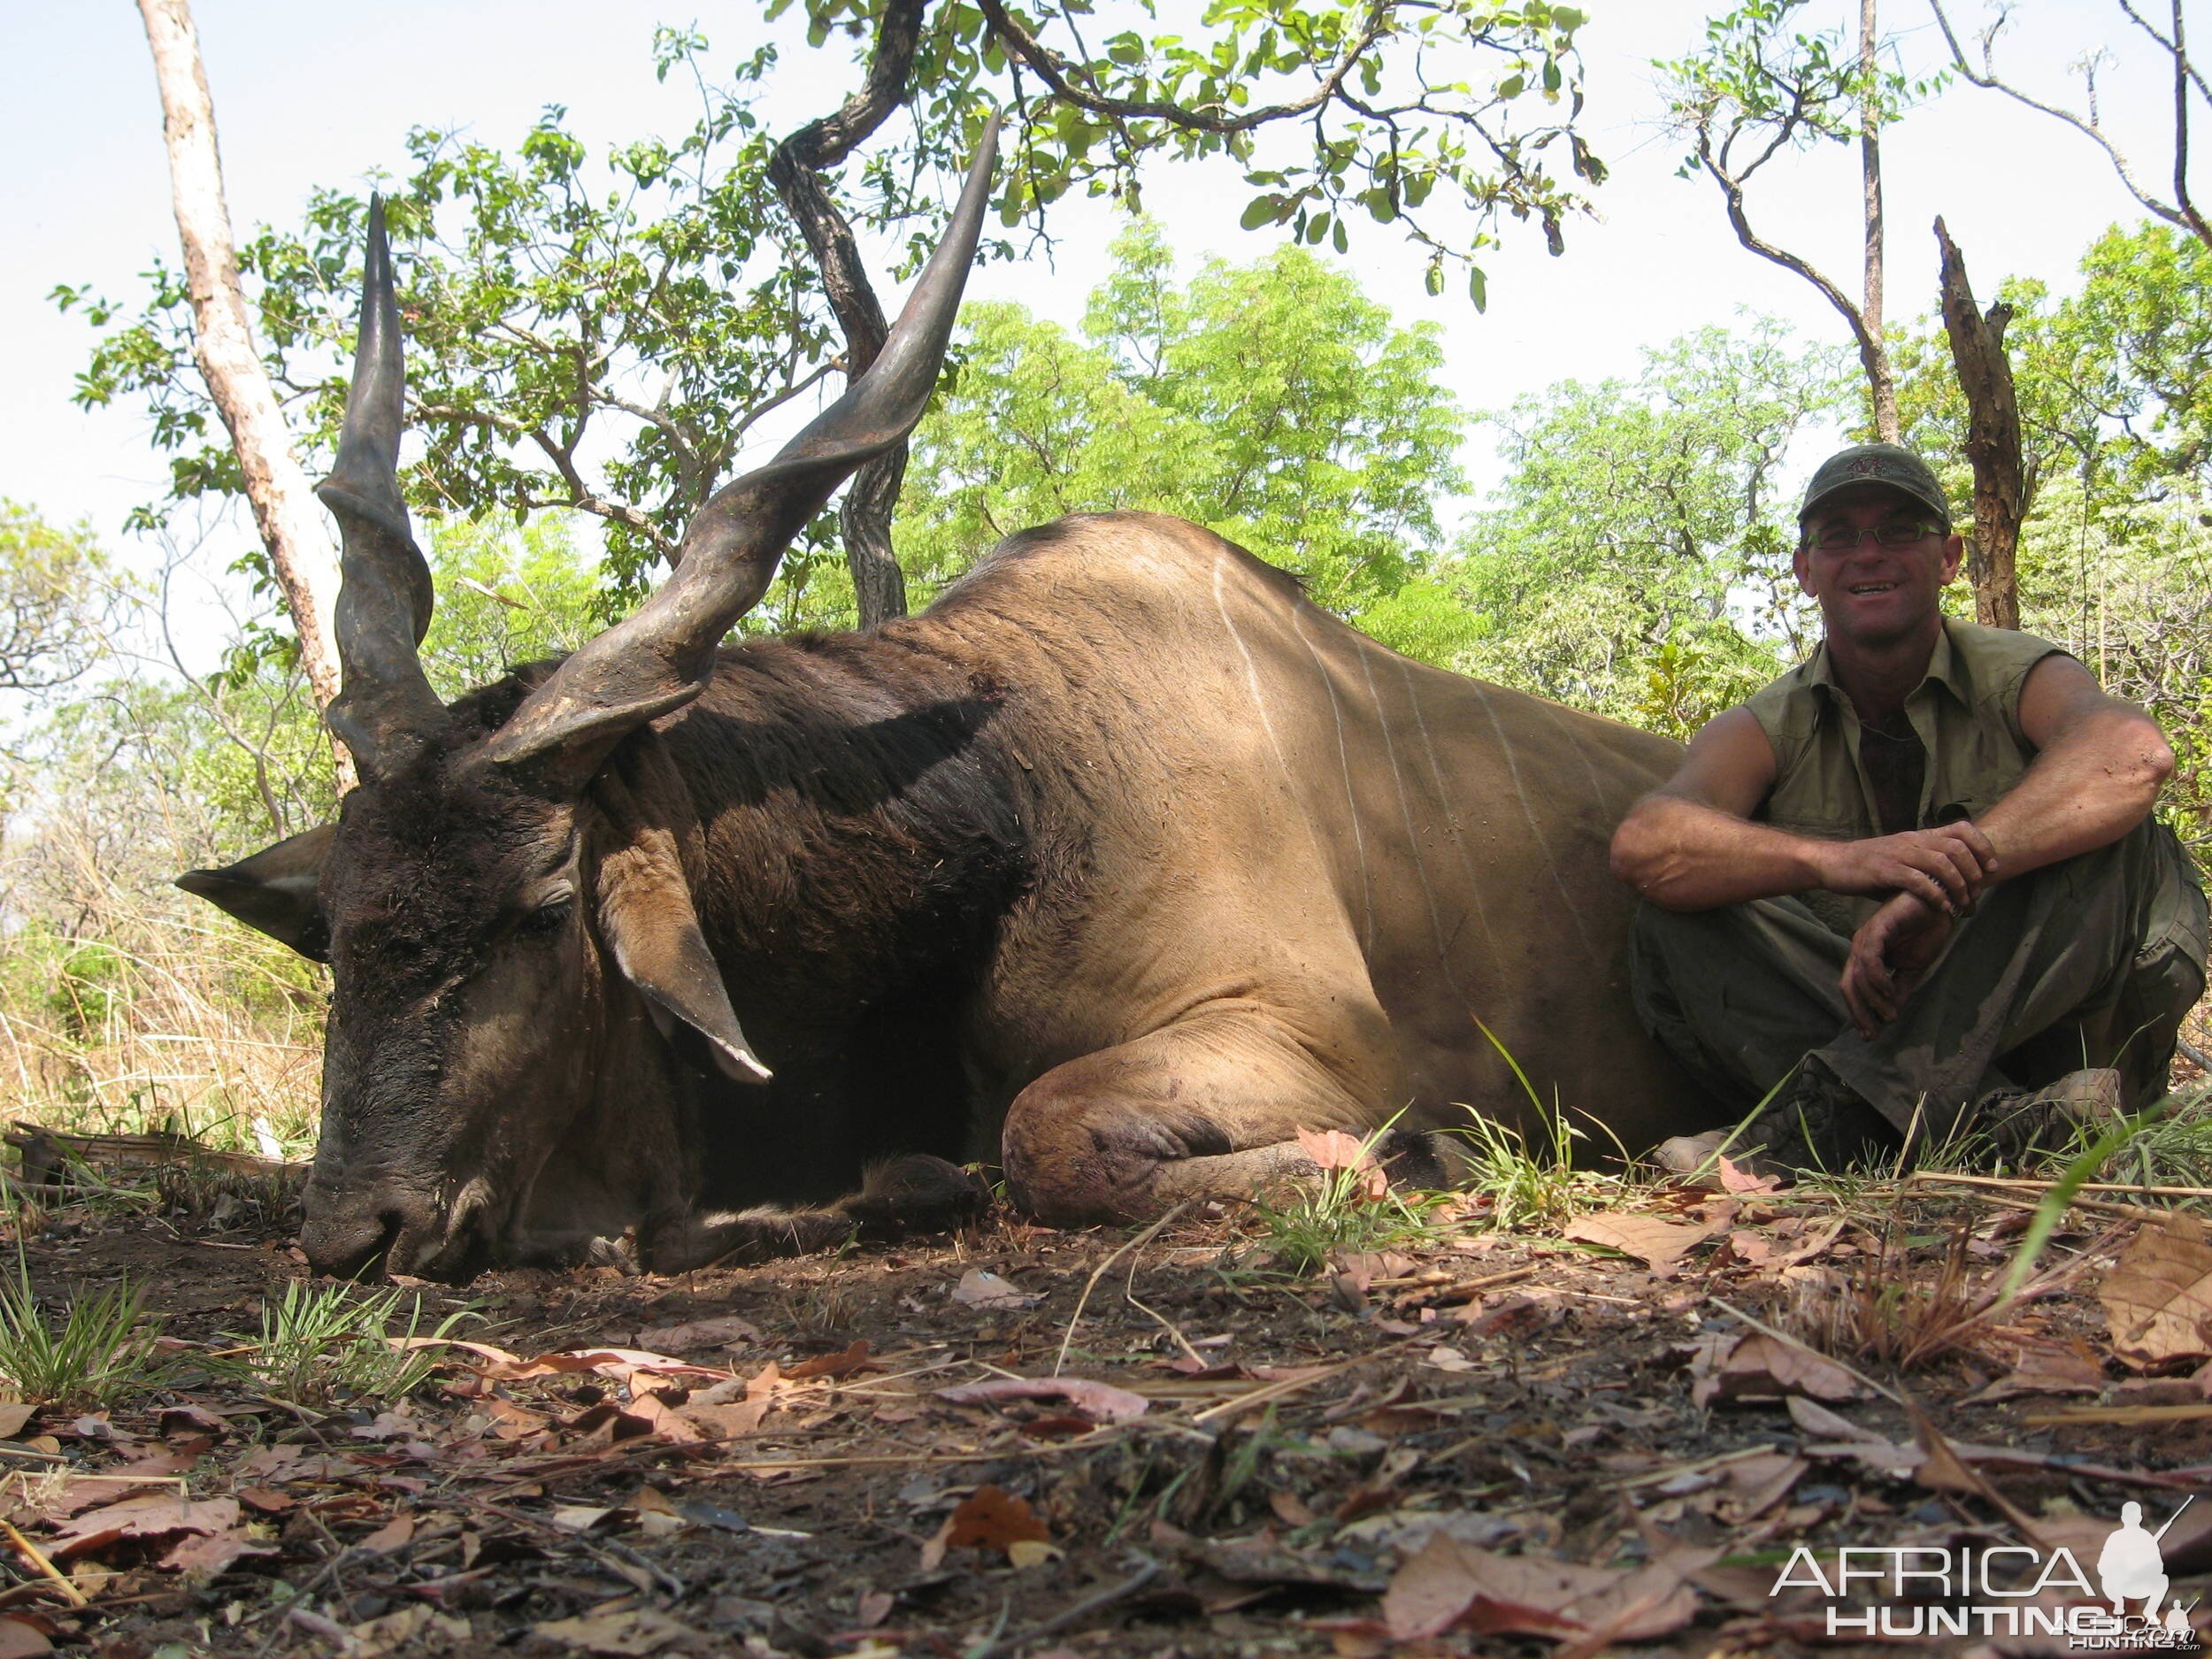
1887	464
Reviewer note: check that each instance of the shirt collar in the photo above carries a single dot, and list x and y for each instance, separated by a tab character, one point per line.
1945	667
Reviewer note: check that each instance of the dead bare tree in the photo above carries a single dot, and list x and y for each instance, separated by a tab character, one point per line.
284	508
2088	120
2002	487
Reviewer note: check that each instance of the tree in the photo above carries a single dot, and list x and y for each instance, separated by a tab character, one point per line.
56	600
1273	402
1637	560
266	472
1759	89
587	340
664	298
1993	441
2173	43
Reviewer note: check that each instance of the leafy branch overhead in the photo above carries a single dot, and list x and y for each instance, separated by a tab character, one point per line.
602	332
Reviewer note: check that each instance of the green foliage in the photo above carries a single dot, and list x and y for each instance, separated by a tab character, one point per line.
1763	80
55	594
506	596
590	333
1272	402
1340	1210
1636	562
101	1351
599	331
1438	117
321	1343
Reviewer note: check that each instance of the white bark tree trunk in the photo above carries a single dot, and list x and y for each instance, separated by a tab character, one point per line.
1881	380
284	506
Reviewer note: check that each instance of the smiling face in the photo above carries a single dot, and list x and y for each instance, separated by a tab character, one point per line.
1873	597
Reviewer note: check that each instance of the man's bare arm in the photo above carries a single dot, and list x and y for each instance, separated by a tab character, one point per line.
1691	845
2099	765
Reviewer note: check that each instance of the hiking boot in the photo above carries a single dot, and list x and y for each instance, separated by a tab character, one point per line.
1819	1124
2022	1124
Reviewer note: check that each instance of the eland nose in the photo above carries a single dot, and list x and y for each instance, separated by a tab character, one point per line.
354	1236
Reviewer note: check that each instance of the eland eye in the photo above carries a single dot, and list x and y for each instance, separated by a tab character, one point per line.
547	920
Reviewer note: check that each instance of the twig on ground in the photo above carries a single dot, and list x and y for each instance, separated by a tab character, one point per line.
607	1550
1099	1273
2037	1183
1244	1403
1097	1602
45	1568
1465	1289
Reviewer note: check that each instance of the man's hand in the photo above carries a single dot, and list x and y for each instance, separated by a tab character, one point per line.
1890	953
1946	867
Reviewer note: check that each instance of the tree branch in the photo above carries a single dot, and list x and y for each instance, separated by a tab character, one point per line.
796	170
2182	215
1050	68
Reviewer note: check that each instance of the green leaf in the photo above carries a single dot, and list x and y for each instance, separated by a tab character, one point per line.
1261	210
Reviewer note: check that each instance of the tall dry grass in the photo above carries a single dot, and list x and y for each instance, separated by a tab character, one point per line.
126	1005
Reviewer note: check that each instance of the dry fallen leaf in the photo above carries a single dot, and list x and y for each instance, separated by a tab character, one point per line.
2047	1369
408	1627
216	1552
1449	1584
390	1536
989	1517
1658	1244
151	1516
1100	1401
19	1639
638	1630
853	1359
980	1288
723	1332
1736	1179
1331	1149
1758	1367
2158	1297
13	1415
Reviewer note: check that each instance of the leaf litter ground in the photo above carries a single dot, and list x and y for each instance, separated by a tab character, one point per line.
1607	1436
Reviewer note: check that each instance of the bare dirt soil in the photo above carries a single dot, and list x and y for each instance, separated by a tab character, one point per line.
1552	1442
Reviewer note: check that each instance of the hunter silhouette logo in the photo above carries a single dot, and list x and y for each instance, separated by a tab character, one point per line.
2005	1590
2132	1566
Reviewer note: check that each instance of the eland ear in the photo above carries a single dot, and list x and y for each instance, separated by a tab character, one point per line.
646	918
277	891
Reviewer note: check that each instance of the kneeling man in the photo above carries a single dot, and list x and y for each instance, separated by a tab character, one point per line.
1912	888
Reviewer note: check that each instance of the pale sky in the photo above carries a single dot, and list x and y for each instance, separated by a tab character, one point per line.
310	93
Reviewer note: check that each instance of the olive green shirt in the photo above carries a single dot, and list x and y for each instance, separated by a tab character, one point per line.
1966	713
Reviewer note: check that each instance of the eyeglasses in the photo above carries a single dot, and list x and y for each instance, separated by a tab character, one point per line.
1894	533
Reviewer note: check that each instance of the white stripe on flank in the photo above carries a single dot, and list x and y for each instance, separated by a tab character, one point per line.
1405	811
1444	803
1252	676
1513	766
1344	767
1566	719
